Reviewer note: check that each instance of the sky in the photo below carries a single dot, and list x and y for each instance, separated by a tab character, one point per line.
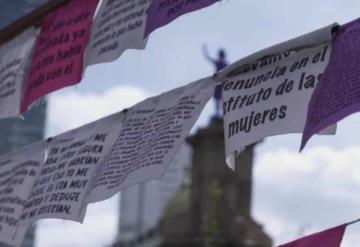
294	194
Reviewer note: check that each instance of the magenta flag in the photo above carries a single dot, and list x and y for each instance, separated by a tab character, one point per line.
329	238
162	12
57	61
337	94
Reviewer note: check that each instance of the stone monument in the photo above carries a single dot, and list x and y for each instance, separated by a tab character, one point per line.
218	206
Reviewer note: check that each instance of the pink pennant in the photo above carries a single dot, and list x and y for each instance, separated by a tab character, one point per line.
58	55
329	238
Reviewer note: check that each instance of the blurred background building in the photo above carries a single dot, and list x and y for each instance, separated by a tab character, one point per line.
19	132
14	9
142	206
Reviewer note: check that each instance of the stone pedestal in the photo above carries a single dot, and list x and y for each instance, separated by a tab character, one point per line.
219	210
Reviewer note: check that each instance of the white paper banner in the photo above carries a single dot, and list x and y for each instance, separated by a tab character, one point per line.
14	59
18	172
152	133
95	161
65	178
272	99
246	64
118	25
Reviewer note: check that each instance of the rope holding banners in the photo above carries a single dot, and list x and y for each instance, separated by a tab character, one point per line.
352	222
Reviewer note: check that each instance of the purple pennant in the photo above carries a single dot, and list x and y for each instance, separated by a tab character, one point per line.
162	12
329	238
337	94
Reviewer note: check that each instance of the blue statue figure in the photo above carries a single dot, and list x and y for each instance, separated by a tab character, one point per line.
219	63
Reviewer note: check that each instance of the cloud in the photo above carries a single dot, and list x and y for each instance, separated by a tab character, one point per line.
72	109
297	194
99	228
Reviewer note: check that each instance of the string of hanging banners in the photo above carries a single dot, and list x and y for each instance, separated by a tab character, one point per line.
286	88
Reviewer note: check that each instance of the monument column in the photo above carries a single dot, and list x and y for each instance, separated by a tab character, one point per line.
220	199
